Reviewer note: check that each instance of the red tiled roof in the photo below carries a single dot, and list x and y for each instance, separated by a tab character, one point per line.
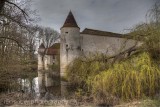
52	52
102	33
70	21
54	49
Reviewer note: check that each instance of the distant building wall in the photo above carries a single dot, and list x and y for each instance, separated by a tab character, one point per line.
40	62
48	59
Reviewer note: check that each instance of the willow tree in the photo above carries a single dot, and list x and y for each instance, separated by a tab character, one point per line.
149	32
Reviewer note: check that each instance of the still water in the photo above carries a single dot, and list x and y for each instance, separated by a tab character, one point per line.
28	86
41	92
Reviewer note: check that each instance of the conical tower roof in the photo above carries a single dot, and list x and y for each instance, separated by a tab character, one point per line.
70	21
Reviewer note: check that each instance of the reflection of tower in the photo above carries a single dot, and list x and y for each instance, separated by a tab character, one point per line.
70	42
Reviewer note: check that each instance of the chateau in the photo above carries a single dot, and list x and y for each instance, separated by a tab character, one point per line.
74	43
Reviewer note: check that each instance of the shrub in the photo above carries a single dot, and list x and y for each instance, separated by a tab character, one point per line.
81	70
131	79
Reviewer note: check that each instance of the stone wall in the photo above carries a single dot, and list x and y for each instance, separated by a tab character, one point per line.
105	44
40	63
69	47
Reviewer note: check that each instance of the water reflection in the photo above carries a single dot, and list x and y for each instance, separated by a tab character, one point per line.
29	86
49	85
45	86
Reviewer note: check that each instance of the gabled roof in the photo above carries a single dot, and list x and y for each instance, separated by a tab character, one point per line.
41	46
54	49
70	21
102	33
52	52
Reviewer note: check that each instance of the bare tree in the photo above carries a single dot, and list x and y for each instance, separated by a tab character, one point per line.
48	36
17	42
5	4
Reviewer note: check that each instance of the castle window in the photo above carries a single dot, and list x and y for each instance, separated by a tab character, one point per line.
53	57
66	32
66	45
79	48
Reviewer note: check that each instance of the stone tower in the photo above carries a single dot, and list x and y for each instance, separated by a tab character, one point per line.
70	42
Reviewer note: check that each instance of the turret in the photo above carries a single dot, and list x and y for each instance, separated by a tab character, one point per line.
70	42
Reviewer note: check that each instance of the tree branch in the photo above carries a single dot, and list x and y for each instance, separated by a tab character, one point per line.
12	19
23	12
1	37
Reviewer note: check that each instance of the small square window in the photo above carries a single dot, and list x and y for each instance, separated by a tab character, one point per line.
53	57
66	45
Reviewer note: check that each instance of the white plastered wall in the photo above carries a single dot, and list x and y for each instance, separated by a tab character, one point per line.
105	44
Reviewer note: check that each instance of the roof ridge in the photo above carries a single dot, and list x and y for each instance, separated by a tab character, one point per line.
99	30
103	33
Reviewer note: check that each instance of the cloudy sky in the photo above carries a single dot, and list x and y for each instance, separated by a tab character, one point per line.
107	15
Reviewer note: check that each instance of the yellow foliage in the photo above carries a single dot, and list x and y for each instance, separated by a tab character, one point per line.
131	79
